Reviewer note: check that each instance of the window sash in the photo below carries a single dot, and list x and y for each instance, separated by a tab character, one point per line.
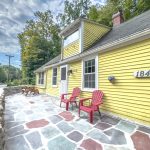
54	78
89	74
41	78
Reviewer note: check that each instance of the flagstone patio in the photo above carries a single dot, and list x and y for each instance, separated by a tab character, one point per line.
37	122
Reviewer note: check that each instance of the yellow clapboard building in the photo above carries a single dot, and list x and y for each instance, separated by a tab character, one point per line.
115	60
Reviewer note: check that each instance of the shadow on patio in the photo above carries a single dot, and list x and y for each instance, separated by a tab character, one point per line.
37	122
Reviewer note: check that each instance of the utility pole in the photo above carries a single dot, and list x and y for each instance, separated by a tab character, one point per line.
8	77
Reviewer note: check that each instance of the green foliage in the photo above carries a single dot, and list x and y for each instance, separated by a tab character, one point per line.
15	73
39	43
3	76
102	14
130	8
73	10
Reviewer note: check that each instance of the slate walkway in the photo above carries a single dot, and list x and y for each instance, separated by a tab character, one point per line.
38	123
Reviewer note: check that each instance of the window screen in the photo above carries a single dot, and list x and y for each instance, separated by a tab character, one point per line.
41	78
89	74
63	73
54	82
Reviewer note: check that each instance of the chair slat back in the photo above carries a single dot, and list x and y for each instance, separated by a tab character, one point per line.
76	92
97	96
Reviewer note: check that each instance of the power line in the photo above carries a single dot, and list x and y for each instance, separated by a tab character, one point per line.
9	57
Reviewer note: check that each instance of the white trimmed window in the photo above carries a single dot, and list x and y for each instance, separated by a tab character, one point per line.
71	38
54	78
41	78
90	73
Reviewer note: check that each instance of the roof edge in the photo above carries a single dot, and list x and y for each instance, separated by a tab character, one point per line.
133	38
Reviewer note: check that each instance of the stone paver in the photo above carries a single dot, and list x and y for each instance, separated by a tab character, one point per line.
34	139
82	125
61	143
111	136
125	126
38	123
11	124
50	132
16	143
108	119
90	144
144	129
102	126
67	115
98	135
141	141
75	136
18	130
64	127
55	119
116	137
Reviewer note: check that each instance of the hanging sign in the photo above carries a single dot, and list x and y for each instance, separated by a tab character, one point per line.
142	74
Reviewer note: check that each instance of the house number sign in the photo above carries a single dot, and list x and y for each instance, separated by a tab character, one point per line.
142	74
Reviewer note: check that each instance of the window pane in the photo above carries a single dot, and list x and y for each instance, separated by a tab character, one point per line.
86	64
86	70
86	84
89	69
71	38
93	84
54	81
63	73
89	74
89	63
93	68
54	71
93	62
42	81
42	75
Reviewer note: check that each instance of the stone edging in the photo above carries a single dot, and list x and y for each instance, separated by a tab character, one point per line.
2	132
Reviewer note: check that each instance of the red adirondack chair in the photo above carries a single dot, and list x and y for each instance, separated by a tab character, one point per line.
72	99
96	101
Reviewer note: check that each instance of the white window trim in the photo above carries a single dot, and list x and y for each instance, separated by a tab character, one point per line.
67	78
56	77
43	79
96	74
81	31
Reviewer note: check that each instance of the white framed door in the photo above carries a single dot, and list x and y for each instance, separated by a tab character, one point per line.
63	79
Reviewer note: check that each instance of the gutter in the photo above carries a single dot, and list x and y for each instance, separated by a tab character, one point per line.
137	37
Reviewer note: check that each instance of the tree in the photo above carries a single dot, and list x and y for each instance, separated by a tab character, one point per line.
131	8
39	43
3	76
73	10
15	73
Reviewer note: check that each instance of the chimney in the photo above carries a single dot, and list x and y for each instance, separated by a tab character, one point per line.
117	18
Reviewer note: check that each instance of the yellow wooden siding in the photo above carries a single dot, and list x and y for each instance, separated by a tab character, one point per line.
92	33
128	96
75	79
50	89
71	50
41	88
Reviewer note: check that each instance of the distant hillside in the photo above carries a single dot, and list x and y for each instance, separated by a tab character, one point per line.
15	73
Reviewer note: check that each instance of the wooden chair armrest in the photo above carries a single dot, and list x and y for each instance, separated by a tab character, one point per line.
66	94
84	99
63	95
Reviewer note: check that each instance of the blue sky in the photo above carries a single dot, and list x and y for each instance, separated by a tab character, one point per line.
13	15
